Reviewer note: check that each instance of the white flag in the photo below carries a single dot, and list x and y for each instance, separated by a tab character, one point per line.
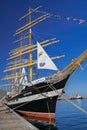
43	60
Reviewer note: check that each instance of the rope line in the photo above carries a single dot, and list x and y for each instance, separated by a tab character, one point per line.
49	114
75	105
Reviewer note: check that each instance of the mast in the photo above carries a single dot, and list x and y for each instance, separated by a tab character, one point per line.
18	54
28	27
30	39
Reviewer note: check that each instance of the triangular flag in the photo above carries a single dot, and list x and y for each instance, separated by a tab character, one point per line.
43	60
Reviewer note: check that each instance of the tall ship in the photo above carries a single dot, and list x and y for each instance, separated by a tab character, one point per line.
30	94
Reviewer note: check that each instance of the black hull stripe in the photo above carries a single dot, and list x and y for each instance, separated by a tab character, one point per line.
44	105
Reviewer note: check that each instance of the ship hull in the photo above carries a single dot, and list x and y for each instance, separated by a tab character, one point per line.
41	102
40	110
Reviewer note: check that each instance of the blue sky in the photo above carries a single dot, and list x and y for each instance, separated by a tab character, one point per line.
72	35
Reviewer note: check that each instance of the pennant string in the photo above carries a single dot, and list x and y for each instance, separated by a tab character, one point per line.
79	21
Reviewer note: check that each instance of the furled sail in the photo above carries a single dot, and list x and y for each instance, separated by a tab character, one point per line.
43	60
23	79
16	81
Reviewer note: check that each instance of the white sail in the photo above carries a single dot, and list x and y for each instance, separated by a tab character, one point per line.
43	60
23	79
16	80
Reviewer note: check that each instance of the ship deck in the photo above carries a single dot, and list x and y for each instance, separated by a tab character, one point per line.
9	120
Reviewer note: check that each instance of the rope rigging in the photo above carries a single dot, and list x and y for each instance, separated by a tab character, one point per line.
76	106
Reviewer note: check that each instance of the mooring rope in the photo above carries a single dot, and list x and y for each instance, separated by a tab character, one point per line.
49	114
75	105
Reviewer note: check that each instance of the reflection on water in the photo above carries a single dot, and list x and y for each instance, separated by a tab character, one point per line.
43	125
79	102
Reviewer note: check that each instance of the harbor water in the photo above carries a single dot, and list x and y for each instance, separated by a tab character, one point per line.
68	117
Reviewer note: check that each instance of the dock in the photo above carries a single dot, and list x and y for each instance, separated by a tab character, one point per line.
10	120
